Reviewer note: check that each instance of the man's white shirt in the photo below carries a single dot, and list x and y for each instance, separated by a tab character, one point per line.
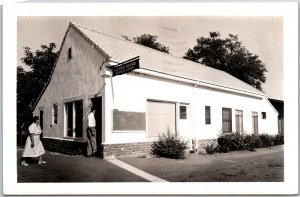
91	120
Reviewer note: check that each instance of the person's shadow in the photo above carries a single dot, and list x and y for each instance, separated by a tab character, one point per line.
30	160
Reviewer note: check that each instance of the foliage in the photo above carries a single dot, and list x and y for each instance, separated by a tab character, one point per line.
278	140
30	83
228	55
235	141
210	149
149	40
170	146
266	140
230	142
252	141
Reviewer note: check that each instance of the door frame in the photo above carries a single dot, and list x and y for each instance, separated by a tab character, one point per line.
99	129
42	120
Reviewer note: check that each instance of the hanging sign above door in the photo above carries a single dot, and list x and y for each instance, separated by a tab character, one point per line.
126	67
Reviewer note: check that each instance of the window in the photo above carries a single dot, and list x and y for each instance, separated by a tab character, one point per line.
255	122
263	115
207	115
73	119
54	113
161	118
182	112
239	120
226	119
69	53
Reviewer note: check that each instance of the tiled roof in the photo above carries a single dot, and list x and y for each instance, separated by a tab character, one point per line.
119	50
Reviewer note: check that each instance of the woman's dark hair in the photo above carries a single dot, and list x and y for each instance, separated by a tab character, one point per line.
93	108
35	118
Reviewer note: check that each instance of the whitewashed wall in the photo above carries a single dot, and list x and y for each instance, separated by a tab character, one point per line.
78	78
129	92
219	99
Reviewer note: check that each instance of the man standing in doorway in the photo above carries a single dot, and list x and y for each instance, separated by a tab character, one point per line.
91	133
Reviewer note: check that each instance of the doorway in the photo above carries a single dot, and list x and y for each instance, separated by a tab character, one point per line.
97	104
41	119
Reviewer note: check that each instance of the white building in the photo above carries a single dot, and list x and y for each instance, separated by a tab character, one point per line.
165	94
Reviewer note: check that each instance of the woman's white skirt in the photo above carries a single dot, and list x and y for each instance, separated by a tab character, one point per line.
36	151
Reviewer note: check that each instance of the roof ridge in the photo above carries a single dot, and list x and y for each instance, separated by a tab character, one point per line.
149	48
159	52
122	39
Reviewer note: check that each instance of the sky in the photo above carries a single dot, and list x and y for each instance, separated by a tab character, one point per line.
260	35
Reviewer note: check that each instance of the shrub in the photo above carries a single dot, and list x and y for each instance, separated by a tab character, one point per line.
170	146
230	142
279	139
236	141
251	142
210	149
266	140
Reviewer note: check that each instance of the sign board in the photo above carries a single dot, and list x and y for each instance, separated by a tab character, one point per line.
126	67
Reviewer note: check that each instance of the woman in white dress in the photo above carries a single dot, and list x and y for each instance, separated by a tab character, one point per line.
33	145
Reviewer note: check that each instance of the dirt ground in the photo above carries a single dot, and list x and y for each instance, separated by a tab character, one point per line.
264	165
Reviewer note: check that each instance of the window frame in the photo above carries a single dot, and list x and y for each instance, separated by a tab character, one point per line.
229	120
207	115
264	115
72	105
239	122
255	122
182	115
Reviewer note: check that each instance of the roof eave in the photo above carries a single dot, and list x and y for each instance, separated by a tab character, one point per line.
71	24
49	79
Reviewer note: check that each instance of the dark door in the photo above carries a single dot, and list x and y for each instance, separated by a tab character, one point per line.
78	118
41	119
97	104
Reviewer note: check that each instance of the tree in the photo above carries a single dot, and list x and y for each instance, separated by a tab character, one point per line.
230	56
31	83
148	40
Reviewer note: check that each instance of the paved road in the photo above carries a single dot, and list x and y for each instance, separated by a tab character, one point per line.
65	168
263	165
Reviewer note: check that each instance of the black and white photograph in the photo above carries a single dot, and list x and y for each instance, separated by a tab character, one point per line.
164	98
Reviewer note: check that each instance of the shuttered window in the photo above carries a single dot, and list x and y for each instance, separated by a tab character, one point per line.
69	53
160	118
226	119
182	109
239	120
54	113
255	122
207	115
264	115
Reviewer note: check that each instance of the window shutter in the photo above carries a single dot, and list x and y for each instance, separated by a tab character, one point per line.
255	122
226	119
230	120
